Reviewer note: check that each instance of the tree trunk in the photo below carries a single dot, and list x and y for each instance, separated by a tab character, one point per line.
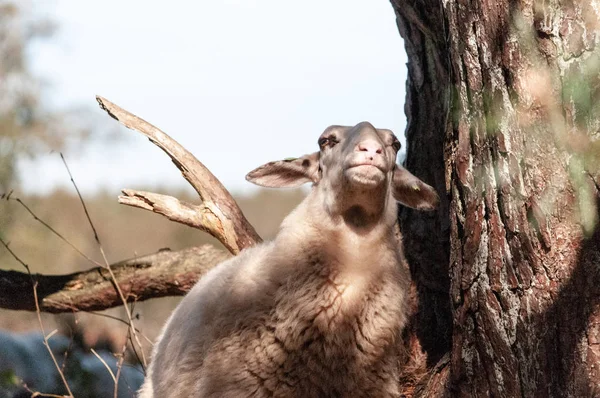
502	118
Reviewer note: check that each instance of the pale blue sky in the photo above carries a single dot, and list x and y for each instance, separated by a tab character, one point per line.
237	82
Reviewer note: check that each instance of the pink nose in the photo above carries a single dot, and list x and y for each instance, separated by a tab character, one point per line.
372	147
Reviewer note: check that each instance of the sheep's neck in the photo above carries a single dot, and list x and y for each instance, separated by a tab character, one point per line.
351	239
358	208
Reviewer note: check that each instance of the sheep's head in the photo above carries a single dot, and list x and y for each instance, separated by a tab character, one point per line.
354	168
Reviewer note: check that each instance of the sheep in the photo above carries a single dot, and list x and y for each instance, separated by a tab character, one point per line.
316	312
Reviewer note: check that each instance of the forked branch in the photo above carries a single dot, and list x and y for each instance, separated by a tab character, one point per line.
218	214
158	275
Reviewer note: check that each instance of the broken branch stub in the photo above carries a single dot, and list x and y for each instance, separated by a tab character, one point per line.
197	216
218	214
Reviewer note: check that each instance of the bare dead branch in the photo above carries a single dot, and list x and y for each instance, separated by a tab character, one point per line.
108	369
219	213
121	357
46	337
14	255
85	209
165	273
34	284
107	265
55	232
197	216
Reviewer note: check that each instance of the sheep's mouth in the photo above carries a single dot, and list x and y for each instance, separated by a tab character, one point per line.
365	174
366	165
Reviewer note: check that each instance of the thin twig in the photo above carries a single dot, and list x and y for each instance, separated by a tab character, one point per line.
55	232
6	195
116	318
87	214
107	267
17	258
39	316
69	348
112	375
41	394
137	357
120	364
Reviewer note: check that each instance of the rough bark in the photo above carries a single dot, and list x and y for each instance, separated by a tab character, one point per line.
500	103
426	235
165	273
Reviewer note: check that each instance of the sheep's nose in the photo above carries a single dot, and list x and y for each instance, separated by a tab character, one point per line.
372	147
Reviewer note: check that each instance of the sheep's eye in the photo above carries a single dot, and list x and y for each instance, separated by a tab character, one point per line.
396	145
327	141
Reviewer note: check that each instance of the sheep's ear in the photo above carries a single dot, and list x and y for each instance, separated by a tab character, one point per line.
412	192
291	172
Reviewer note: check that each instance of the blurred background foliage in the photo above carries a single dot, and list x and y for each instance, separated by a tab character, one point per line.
29	125
25	126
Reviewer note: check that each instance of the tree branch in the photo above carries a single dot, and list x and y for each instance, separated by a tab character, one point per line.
219	214
197	216
162	274
165	273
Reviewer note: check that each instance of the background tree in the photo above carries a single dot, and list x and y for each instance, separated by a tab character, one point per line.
28	125
503	118
25	128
